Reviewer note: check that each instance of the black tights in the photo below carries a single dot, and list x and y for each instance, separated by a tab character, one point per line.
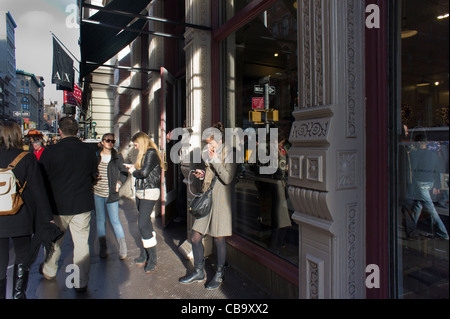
198	250
145	208
21	249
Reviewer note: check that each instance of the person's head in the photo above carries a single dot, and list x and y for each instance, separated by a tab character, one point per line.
68	126
37	144
142	142
215	136
108	141
10	135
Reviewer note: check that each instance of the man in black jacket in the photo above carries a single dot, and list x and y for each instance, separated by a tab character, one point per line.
70	168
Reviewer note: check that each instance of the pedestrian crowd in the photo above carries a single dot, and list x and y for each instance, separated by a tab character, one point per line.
65	181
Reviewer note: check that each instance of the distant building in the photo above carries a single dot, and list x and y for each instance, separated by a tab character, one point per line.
7	64
50	117
30	99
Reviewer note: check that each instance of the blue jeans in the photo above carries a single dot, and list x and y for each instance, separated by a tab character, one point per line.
113	213
423	200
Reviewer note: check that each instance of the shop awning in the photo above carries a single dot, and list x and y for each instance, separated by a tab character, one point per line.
104	34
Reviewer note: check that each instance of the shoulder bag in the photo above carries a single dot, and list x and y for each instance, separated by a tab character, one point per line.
201	205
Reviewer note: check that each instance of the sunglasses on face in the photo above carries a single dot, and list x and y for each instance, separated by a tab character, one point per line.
109	141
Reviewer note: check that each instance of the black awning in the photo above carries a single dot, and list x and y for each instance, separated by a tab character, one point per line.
100	42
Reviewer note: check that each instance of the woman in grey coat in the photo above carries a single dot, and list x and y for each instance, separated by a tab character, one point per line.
218	224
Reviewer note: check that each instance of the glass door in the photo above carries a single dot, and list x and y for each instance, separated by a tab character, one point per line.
422	218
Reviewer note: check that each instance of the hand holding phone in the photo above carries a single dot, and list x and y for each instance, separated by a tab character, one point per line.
199	173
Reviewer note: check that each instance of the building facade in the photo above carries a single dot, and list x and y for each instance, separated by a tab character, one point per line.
8	62
333	219
30	100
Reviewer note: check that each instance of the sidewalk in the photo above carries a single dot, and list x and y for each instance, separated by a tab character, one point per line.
112	278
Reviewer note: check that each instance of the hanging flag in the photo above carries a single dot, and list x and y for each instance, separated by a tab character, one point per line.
74	97
63	73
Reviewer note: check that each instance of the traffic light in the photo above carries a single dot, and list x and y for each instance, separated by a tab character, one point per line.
263	116
256	116
272	116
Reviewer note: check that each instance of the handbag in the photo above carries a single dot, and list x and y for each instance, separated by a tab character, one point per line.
201	205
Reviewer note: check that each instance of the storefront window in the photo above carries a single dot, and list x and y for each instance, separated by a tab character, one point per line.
259	93
423	152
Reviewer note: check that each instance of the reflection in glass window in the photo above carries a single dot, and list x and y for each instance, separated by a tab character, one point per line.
260	76
423	161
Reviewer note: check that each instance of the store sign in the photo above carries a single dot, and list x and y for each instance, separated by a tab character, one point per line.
258	103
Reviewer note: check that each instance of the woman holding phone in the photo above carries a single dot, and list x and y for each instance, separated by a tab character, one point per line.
218	224
147	171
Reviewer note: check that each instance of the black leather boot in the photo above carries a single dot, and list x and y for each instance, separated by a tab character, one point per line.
151	261
142	259
20	281
3	289
218	278
199	275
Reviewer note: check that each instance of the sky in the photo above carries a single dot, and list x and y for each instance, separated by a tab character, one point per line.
35	20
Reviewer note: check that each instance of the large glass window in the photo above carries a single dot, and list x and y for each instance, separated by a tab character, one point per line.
259	93
423	151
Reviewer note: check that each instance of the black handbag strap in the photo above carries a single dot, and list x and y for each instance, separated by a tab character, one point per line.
200	194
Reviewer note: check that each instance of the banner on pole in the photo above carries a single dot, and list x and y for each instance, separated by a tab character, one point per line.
63	73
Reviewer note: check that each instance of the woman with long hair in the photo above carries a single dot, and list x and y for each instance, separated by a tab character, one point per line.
147	171
218	224
32	224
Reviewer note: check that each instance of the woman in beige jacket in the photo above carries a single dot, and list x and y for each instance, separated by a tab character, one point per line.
218	224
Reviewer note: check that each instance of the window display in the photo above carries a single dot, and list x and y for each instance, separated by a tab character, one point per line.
259	95
423	158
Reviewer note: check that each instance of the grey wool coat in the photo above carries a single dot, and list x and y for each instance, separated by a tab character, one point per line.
219	222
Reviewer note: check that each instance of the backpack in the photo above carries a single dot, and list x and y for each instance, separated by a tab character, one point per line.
10	190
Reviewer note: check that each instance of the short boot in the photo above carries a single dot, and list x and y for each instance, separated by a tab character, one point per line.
218	278
122	248
102	242
151	261
199	275
3	288
142	259
20	281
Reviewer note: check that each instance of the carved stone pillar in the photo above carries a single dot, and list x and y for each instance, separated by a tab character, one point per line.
326	175
198	92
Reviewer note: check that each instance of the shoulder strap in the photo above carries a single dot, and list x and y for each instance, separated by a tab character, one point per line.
17	160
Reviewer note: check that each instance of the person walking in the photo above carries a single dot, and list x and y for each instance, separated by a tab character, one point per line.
218	224
31	224
147	172
71	169
112	174
38	147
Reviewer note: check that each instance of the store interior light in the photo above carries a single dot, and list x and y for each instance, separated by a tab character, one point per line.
436	83
408	33
423	83
275	54
444	16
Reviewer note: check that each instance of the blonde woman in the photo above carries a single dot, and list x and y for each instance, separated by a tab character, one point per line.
147	171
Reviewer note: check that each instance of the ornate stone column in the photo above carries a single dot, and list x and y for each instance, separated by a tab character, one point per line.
326	174
198	92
